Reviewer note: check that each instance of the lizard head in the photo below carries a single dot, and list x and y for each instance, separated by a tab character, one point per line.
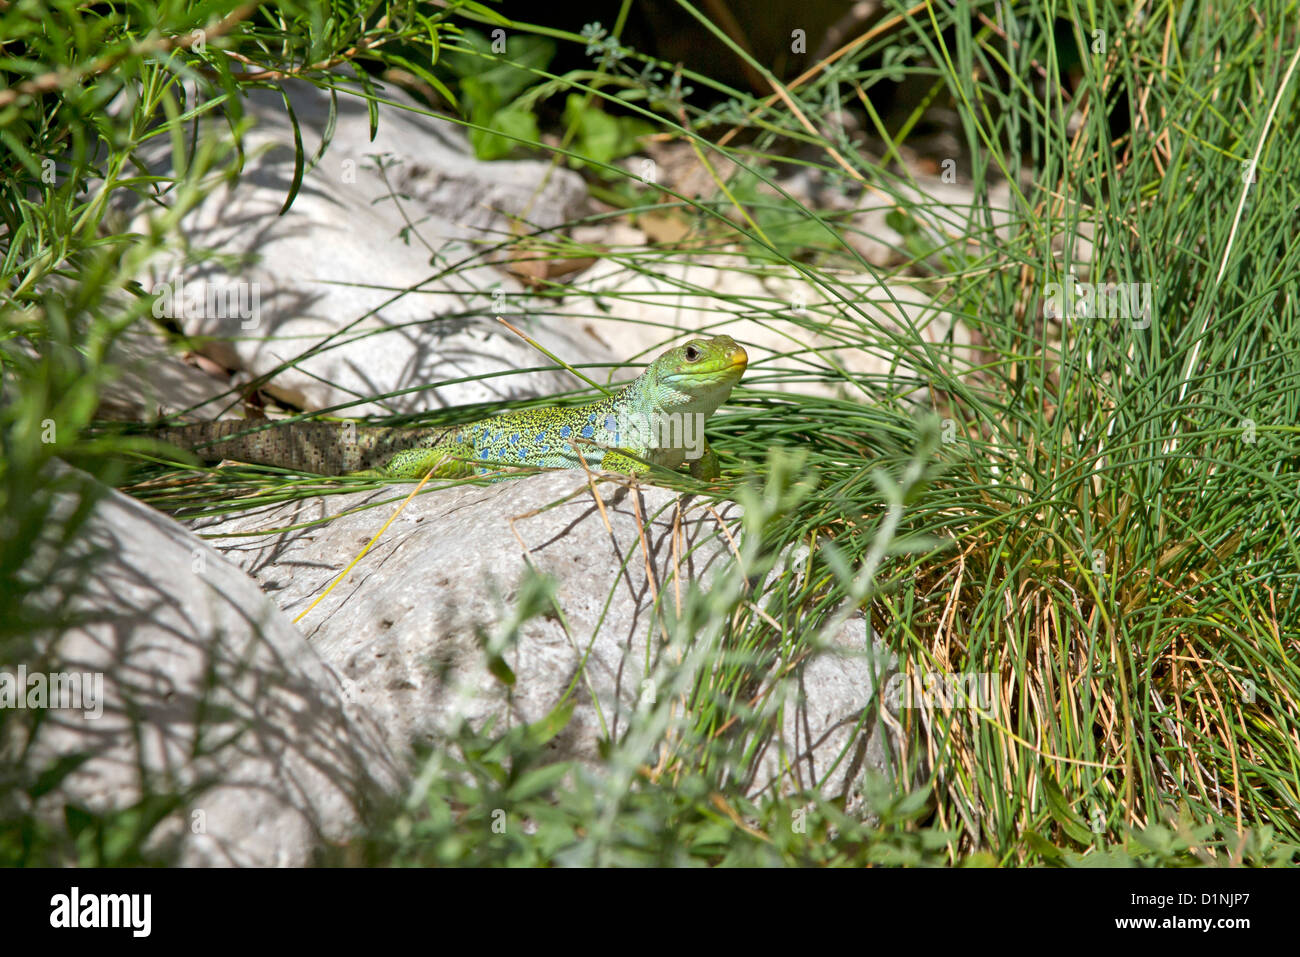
698	375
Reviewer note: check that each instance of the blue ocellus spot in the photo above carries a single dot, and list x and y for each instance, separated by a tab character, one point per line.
592	417
588	431
541	437
565	432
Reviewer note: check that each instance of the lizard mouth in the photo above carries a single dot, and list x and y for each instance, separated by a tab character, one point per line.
738	359
734	362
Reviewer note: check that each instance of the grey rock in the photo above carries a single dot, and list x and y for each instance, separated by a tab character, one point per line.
770	311
390	269
204	682
154	381
408	626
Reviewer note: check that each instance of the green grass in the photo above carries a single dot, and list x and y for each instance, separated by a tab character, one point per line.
1099	512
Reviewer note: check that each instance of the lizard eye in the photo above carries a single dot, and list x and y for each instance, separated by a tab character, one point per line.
692	353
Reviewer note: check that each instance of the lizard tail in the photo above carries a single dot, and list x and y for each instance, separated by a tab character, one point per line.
324	448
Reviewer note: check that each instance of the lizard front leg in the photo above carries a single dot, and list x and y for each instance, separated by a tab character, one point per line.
616	461
706	467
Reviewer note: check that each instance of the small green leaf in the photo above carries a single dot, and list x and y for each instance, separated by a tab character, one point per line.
501	671
1043	847
1062	814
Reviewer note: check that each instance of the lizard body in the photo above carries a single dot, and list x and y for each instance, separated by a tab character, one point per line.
658	418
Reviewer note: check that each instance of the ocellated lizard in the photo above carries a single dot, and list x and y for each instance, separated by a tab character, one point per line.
658	419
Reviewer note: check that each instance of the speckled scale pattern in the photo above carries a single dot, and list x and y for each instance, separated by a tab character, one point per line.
544	438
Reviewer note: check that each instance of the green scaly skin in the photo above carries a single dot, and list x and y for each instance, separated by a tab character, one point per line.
657	419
